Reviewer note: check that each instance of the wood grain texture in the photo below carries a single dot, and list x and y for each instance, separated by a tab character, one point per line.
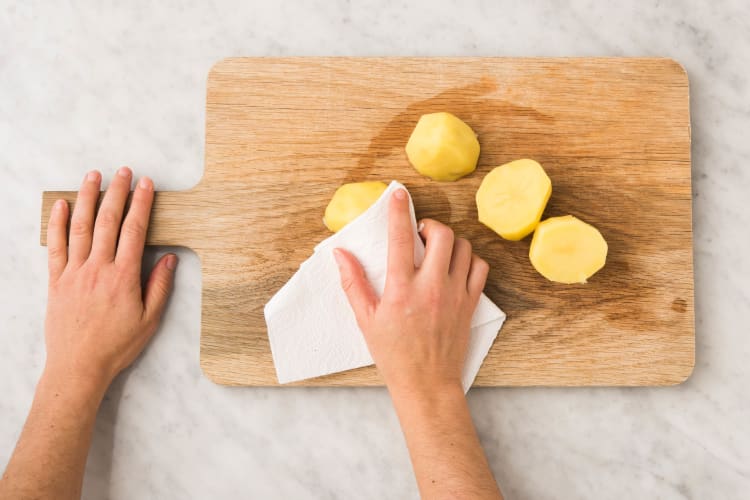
613	135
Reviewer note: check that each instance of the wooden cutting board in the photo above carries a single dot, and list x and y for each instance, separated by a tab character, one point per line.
613	134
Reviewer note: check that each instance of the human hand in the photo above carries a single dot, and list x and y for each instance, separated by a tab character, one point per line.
99	318
418	331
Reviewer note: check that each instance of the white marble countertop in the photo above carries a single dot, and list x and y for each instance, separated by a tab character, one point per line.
85	86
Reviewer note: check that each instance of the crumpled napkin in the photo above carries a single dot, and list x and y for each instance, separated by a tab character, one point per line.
311	325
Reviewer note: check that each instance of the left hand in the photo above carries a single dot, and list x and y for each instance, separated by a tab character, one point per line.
99	318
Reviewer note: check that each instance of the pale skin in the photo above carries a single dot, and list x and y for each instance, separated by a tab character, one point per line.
100	317
418	335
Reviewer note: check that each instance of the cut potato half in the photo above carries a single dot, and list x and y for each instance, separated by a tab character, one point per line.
512	198
567	250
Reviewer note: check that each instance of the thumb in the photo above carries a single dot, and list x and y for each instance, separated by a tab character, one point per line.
358	290
159	286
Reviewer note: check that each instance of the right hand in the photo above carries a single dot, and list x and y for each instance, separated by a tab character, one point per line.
418	331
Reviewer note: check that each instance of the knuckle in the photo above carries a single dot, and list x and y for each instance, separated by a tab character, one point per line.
395	299
397	288
464	245
401	238
80	227
55	252
89	278
347	283
443	232
162	288
396	284
123	273
434	298
106	219
482	265
134	229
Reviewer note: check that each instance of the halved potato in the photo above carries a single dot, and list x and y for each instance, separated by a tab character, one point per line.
567	250
512	197
349	201
443	147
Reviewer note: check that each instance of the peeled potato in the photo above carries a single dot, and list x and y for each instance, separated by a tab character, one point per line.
443	147
349	201
567	250
512	197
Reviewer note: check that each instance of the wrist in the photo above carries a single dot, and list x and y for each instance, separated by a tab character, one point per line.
441	394
62	381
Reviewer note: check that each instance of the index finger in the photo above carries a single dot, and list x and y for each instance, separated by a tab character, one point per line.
135	227
400	236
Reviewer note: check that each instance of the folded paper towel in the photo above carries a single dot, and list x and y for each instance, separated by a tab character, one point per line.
311	326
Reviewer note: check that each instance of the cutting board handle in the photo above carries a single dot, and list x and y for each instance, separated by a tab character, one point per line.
174	215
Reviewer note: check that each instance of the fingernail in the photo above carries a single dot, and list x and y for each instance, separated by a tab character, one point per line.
124	172
337	256
59	204
400	194
145	183
92	176
171	262
420	227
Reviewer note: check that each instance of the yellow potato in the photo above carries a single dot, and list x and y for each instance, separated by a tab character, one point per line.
349	201
512	197
443	147
567	250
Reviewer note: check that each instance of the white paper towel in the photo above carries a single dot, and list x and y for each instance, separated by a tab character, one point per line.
311	326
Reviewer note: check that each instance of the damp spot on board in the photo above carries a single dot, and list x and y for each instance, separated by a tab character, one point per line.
470	103
480	105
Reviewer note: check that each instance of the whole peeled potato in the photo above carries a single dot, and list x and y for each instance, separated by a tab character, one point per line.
443	147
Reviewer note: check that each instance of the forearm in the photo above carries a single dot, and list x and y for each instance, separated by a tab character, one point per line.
447	457
50	456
